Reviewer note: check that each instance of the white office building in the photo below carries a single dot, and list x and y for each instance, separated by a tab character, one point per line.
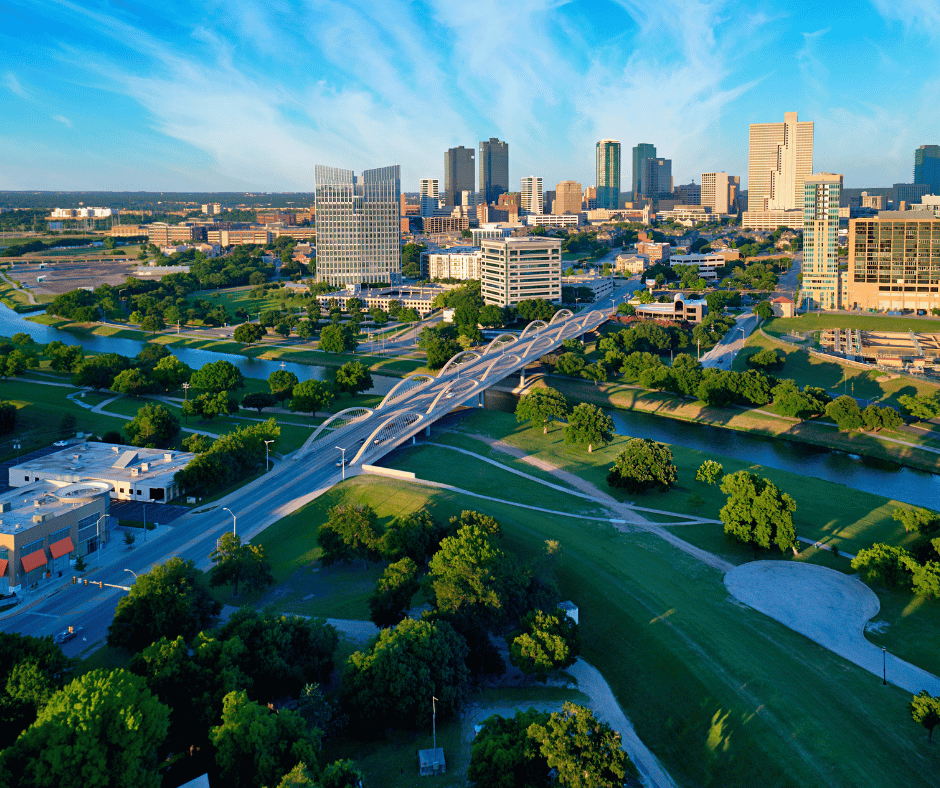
531	200
430	196
459	262
518	269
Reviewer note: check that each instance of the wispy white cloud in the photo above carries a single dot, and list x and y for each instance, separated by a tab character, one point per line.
814	72
63	120
920	16
11	83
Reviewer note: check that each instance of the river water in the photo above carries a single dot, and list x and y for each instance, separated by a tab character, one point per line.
861	473
12	322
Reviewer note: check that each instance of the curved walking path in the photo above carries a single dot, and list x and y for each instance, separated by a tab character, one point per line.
829	608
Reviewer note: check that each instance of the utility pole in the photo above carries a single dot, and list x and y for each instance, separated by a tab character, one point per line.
434	718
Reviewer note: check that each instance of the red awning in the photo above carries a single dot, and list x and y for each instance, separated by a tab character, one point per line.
3	566
34	560
61	547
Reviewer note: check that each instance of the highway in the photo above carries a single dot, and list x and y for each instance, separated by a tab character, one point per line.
294	482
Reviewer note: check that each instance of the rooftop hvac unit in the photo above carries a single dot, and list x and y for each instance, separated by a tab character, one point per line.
135	472
115	449
5	506
168	457
145	466
41	518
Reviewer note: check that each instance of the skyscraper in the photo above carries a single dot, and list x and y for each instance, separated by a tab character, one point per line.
532	200
656	178
780	158
567	198
459	175
642	151
358	227
608	174
494	169
430	196
927	167
719	191
821	240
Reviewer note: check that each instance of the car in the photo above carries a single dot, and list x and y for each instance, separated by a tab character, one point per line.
340	463
66	636
61	443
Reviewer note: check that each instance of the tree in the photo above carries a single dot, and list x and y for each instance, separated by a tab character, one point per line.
924	407
337	339
767	359
169	600
393	592
170	373
341	774
757	513
535	309
352	378
282	384
925	710
921	522
886	565
709	472
589	424
153	426
65	358
207	406
439	349
391	683
587	753
153	323
306	329
875	418
311	396
595	372
102	730
763	310
98	372
217	376
492	316
413	536
258	400
350	532
571	364
548	642
234	563
642	466
503	755
132	382
248	333
255	747
844	411
542	407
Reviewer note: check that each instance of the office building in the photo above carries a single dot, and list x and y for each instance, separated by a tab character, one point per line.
554	220
531	202
517	269
780	158
458	262
771	219
653	250
927	167
894	261
682	309
689	194
909	193
494	169
874	201
708	264
590	198
430	194
459	174
608	175
820	289
567	198
601	287
641	152
439	225
656	178
358	225
720	191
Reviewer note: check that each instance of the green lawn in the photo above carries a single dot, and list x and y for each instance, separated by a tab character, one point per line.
238	298
815	322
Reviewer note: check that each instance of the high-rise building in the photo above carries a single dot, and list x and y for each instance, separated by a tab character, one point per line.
689	193
644	150
430	196
780	158
894	261
517	269
532	199
656	178
494	169
590	198
608	174
567	198
820	268
927	167
720	191
358	225
459	175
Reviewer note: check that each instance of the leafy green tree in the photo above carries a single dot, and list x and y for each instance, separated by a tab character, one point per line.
249	333
258	400
586	752
790	401
393	593
64	358
886	565
763	310
195	443
217	376
341	774
535	309
571	364
542	407
548	642
282	384
311	396
153	323
207	406
306	329
503	755
921	522
255	747
767	359
413	536
337	339
439	349
642	466
757	512
169	600
595	372
234	563
132	382
392	682
925	578
170	373
352	378
98	372
844	411
875	418
492	316
351	532
710	472
925	710
923	407
101	730
589	425
154	426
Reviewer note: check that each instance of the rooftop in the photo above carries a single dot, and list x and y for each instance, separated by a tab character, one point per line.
40	499
105	461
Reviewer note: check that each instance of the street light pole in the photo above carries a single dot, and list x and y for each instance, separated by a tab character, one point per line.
234	521
266	463
343	461
884	665
132	572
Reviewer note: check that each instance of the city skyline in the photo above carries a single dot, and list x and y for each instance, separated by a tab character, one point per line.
250	96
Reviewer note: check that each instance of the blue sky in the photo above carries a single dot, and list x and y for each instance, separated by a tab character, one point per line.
250	94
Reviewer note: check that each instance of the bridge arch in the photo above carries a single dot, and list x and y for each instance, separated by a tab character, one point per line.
453	361
461	383
512	339
347	416
403	384
393	426
549	340
561	314
535	326
497	360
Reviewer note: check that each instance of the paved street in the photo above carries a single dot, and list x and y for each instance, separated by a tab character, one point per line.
724	352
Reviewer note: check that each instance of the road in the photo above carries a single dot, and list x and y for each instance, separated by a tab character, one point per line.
286	488
724	352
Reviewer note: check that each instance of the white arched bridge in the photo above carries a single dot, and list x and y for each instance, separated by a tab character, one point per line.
363	435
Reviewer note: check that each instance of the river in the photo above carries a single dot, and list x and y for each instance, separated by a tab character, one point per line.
12	322
861	473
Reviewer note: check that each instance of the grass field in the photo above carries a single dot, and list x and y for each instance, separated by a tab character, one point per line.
815	322
238	298
723	695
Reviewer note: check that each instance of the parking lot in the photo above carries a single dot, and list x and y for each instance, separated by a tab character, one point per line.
60	275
